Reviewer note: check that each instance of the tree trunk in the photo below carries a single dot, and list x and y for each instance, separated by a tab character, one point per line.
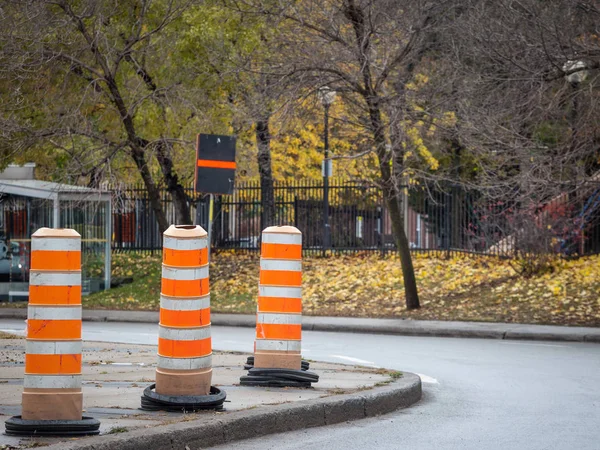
267	196
356	15
392	199
95	178
153	192
408	271
174	187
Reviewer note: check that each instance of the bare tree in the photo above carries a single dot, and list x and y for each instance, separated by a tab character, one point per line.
526	93
524	79
366	50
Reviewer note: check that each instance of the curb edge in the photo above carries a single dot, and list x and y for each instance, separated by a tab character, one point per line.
480	330
221	429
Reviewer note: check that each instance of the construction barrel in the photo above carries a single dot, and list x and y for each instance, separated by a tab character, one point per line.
52	380
184	370
277	349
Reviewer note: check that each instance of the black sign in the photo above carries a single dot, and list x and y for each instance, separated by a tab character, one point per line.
215	164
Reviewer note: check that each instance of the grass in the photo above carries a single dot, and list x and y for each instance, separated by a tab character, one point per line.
366	285
4	335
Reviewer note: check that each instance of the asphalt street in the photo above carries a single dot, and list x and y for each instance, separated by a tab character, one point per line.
478	393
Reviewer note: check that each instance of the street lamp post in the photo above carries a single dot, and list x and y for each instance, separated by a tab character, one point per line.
578	75
327	96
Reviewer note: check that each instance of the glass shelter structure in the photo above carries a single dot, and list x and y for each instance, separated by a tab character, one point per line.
27	205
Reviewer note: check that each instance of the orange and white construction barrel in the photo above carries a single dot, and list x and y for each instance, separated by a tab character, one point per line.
279	309
52	380
184	368
278	344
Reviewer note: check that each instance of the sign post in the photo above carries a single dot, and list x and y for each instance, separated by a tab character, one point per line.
211	202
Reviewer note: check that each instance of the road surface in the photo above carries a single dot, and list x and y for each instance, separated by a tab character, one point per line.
478	394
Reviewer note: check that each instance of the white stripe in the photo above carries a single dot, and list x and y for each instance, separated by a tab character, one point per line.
282	319
185	305
52	381
354	360
54	313
184	244
204	362
184	334
281	264
173	273
282	238
55	278
53	347
278	345
280	291
530	344
427	379
56	244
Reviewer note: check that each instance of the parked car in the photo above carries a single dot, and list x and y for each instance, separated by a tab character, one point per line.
12	262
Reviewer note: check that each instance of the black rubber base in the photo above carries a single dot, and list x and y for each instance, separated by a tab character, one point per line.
305	365
279	378
151	401
16	426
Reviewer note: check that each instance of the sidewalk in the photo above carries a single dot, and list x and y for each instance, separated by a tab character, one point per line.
115	375
362	325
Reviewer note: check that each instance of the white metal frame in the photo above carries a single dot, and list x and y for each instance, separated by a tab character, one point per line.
63	192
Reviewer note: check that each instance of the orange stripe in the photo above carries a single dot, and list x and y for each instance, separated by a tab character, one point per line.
197	318
53	364
278	331
185	258
281	251
214	164
55	260
275	304
280	278
184	349
54	295
185	288
53	329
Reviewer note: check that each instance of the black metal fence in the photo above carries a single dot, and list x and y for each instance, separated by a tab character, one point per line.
356	216
441	219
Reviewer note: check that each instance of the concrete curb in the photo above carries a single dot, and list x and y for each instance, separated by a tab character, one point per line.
401	327
223	428
433	328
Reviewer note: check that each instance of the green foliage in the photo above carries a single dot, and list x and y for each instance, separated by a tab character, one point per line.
395	375
4	335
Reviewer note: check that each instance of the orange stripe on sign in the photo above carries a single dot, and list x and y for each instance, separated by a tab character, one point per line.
55	260
280	278
53	329
185	288
276	304
214	164
185	258
281	251
54	295
278	331
197	318
53	364
184	349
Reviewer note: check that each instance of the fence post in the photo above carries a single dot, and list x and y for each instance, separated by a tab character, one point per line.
448	199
